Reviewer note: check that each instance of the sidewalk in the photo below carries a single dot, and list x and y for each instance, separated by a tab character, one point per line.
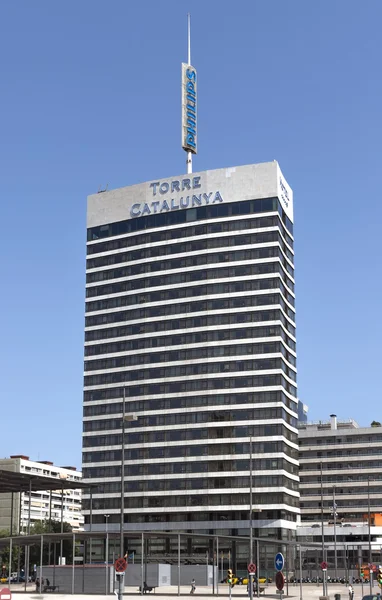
309	592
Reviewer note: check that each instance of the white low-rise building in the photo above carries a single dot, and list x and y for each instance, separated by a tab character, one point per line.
340	466
41	505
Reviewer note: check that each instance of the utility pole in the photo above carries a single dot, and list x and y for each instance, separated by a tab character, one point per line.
322	537
250	520
369	536
335	530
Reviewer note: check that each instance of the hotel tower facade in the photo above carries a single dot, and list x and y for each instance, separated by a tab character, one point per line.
190	312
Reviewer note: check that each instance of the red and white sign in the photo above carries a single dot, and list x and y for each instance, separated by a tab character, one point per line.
324	565
251	568
5	594
280	580
119	565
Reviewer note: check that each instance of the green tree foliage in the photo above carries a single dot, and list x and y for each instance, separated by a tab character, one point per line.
375	424
4	553
51	552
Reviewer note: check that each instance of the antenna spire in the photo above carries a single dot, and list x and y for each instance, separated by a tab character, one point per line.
189	38
189	103
189	154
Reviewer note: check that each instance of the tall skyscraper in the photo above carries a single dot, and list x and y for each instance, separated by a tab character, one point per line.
190	311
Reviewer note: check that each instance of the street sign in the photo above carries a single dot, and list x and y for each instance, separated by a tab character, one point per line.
119	565
279	562
251	568
324	565
5	594
279	579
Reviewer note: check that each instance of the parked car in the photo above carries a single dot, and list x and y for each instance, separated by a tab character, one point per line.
17	578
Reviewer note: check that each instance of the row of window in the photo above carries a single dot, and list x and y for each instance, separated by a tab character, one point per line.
200	337
184	247
205	467
222	304
188	401
174	500
206	352
208	368
343	454
369	465
112	441
185	262
183	451
340	492
189	354
175	296
350	503
211	211
190	230
194	545
345	478
223	419
202	275
178	387
171	326
343	441
197	483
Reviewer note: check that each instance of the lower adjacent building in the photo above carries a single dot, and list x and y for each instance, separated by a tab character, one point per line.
341	487
44	505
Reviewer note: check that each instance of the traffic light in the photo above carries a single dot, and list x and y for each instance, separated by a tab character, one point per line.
229	576
379	576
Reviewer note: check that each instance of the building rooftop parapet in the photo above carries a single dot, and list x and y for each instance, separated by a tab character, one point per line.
322	425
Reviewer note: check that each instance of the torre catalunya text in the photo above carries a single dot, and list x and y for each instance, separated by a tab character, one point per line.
176	203
190	314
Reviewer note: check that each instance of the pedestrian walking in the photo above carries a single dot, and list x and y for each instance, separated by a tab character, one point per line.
193	586
351	592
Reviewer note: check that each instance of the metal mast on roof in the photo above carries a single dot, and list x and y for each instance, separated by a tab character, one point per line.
189	38
189	154
189	103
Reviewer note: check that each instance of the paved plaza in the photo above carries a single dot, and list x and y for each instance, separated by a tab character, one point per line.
309	592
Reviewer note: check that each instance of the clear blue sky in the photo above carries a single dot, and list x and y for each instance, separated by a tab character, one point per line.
91	96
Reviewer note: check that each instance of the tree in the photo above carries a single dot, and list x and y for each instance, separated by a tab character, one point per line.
16	552
51	551
375	424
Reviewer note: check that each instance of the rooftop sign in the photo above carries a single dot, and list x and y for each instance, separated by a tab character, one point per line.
174	195
189	100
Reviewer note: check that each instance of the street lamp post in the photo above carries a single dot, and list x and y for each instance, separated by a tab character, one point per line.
107	551
369	535
335	530
322	536
126	418
121	524
250	520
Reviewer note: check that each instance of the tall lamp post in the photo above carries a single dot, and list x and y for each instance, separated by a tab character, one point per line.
250	520
335	530
323	537
369	535
107	551
126	418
